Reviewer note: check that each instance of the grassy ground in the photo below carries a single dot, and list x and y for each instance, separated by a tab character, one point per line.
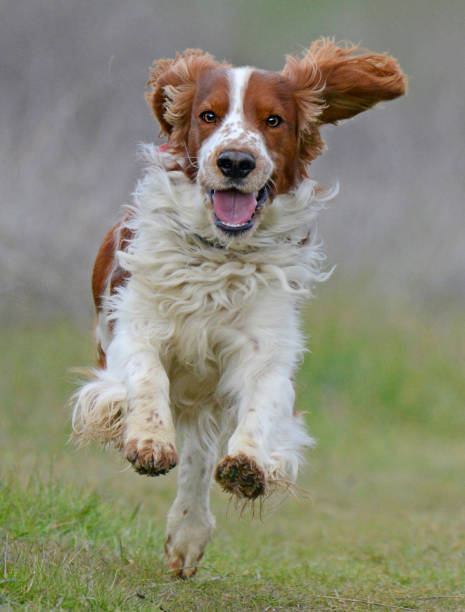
384	527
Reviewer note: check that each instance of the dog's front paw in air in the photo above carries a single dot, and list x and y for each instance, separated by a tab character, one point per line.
150	457
241	475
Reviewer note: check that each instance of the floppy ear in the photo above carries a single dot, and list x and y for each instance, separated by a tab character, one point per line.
173	84
342	83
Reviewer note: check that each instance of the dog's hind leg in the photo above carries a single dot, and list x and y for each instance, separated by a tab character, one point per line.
190	522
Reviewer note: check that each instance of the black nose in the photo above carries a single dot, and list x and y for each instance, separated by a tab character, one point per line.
235	164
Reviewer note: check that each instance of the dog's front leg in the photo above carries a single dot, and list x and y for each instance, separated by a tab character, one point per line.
265	450
149	435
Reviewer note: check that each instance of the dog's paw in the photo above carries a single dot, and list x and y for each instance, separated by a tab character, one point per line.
181	564
186	539
241	475
150	457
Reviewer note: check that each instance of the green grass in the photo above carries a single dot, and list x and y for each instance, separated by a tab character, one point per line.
385	521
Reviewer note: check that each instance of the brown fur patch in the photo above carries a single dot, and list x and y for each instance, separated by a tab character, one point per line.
105	271
333	82
173	83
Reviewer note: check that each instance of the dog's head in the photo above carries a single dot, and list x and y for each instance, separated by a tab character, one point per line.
247	135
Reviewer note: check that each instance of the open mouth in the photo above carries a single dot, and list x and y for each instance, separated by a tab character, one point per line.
235	210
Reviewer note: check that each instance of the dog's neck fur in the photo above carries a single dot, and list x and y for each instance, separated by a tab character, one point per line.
170	204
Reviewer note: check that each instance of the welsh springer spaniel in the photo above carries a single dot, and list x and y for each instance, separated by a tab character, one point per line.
198	289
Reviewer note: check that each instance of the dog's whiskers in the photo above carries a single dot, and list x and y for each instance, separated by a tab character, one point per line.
190	158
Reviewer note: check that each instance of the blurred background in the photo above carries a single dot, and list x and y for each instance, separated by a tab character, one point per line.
73	112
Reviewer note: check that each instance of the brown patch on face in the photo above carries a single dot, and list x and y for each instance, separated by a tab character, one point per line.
268	94
174	85
212	94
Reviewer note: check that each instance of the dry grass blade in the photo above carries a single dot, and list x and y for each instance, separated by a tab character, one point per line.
366	602
5	558
459	597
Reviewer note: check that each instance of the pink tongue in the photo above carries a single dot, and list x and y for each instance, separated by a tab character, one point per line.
234	207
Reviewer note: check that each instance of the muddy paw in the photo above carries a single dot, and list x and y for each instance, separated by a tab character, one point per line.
148	457
241	475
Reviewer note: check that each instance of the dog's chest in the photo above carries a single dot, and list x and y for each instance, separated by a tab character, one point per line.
196	305
206	312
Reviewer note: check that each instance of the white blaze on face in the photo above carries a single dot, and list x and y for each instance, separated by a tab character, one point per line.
235	133
234	124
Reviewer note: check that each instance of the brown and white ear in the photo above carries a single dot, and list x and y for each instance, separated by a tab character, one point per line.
173	84
343	82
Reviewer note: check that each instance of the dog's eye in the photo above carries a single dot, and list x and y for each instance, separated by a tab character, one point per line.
273	121
208	116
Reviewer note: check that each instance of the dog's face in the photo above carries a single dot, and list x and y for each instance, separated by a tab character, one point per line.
247	135
243	134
